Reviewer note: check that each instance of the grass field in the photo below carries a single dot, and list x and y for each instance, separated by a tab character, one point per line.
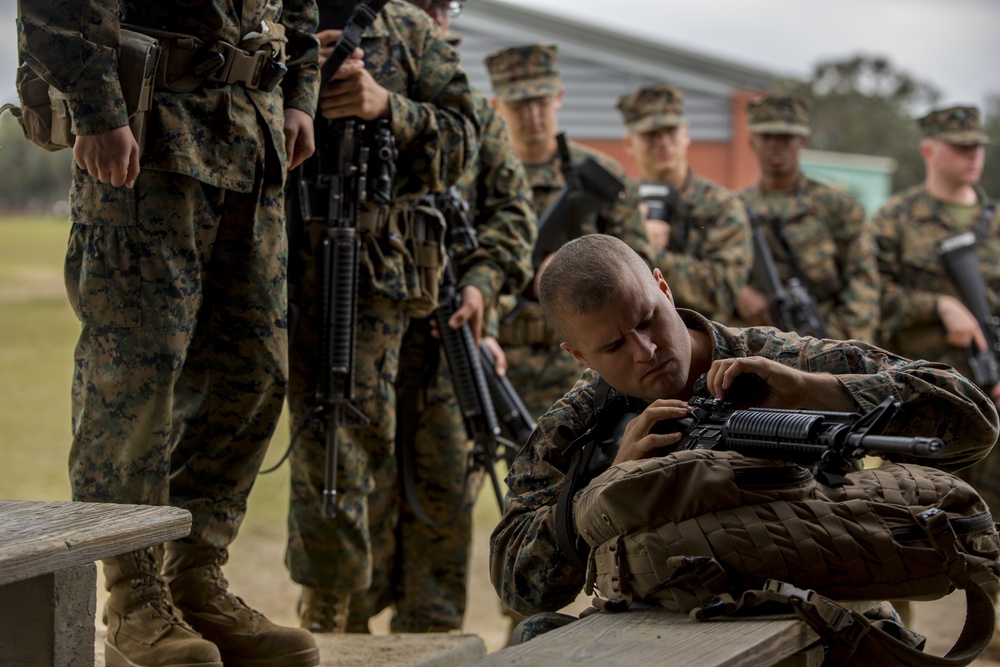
38	331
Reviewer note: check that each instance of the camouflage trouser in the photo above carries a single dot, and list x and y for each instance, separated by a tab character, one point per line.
423	574
541	374
181	365
335	554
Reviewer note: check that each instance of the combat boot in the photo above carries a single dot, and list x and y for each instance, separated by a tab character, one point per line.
323	612
245	637
143	627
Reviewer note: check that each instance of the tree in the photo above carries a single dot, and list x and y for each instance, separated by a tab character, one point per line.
863	104
34	179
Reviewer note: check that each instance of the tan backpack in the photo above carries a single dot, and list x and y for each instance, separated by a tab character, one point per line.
712	532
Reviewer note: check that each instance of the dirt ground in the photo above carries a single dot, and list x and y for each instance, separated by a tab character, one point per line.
256	573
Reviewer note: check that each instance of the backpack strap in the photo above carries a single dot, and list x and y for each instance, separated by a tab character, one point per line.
851	636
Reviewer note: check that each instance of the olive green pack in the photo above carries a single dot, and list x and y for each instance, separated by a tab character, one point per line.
44	112
716	533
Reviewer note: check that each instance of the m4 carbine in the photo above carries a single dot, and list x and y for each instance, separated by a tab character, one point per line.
962	263
588	187
792	306
354	165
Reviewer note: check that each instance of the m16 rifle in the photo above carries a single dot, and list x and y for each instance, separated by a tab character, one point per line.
962	263
353	166
516	423
588	187
791	304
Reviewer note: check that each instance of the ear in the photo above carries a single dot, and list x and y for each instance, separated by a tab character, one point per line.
628	145
558	99
576	353
661	283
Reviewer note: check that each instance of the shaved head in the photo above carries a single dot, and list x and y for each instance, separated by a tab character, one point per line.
584	275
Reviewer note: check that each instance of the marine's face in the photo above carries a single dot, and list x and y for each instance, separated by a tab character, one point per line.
961	165
661	150
637	341
777	154
532	120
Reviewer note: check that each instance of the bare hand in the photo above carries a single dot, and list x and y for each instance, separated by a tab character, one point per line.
352	90
961	325
658	233
753	307
110	157
299	140
637	441
787	388
470	311
995	395
499	356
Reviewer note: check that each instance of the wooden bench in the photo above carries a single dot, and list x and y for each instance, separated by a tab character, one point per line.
48	576
648	635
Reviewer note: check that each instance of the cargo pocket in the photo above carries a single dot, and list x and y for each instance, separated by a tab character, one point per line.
422	231
102	263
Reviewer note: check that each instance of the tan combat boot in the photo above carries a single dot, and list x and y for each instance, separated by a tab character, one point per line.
323	612
143	628
244	636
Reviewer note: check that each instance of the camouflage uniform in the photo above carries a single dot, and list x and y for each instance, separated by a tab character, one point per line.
180	285
907	229
424	576
431	111
179	282
526	566
825	228
709	255
537	367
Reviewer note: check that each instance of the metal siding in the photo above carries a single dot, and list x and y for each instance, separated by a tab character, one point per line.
592	88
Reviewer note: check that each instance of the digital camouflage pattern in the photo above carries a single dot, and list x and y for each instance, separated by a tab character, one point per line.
432	115
179	283
423	573
714	258
652	107
526	566
777	114
537	367
833	246
907	229
523	72
956	125
212	135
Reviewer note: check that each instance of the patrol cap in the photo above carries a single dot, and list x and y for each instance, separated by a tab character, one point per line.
956	125
778	114
652	107
524	72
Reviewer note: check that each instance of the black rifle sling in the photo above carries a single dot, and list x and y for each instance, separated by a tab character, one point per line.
582	451
778	227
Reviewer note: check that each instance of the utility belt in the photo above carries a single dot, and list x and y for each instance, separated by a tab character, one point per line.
150	60
526	325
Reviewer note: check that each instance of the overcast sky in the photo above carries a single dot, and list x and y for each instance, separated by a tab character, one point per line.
952	44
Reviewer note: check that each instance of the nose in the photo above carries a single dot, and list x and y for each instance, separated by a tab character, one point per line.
644	349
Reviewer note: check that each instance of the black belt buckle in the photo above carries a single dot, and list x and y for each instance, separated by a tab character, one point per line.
271	74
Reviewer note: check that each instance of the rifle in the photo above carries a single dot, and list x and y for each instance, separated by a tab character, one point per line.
588	187
792	306
516	423
464	363
959	256
829	443
343	174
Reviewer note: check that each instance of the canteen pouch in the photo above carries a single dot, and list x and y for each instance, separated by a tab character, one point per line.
44	114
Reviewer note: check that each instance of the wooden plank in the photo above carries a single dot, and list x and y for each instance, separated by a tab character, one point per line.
657	636
42	537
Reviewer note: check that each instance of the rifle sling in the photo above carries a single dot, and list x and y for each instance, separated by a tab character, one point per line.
777	226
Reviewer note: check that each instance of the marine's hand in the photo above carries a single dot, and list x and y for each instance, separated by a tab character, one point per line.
471	311
110	157
961	325
327	39
995	395
658	233
299	140
637	441
493	345
787	388
753	307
